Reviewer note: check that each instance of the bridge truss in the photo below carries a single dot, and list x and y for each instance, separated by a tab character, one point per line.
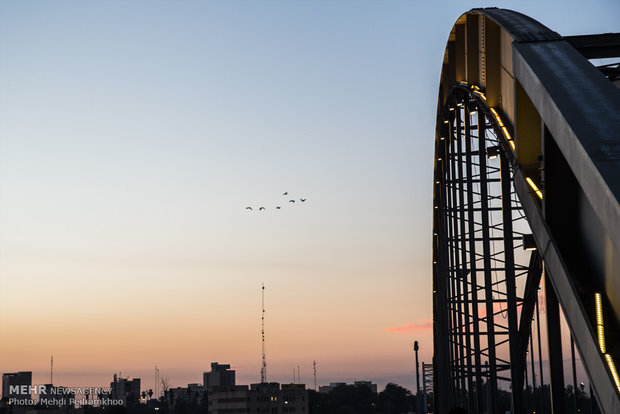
526	190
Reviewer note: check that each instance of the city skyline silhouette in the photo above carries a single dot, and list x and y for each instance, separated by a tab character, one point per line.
132	138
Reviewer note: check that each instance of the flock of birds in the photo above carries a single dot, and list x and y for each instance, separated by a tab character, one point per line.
292	200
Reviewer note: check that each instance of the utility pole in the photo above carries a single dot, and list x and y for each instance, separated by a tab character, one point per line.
416	348
424	384
418	400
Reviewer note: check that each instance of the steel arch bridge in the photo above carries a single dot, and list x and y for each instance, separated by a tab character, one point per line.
526	195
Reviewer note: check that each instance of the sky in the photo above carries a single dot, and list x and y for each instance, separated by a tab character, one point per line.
133	135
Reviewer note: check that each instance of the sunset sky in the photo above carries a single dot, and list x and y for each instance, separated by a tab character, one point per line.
133	135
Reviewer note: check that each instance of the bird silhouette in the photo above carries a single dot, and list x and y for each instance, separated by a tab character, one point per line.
285	193
262	208
291	201
249	208
303	199
278	207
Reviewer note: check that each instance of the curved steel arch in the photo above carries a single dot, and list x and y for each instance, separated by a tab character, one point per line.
527	141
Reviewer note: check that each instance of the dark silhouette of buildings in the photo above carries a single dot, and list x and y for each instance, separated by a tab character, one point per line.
126	390
332	385
220	376
13	385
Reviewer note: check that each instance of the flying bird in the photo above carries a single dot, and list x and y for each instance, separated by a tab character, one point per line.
262	208
285	193
303	199
291	201
249	208
278	207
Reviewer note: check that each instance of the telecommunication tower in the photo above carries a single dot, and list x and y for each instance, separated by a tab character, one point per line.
263	370
314	369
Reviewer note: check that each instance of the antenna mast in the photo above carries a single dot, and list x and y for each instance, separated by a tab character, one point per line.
314	368
263	370
52	370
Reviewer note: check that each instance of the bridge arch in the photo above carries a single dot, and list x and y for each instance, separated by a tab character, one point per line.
527	155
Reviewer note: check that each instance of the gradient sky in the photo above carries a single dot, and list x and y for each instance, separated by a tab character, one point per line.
134	134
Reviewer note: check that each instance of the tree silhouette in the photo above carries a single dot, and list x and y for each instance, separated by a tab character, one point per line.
395	400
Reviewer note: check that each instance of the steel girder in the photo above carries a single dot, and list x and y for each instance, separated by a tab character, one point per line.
479	259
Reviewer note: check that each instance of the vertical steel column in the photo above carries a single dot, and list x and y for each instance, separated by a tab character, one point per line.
526	400
540	362
534	403
467	361
572	354
554	334
441	325
516	368
477	408
456	297
488	279
452	297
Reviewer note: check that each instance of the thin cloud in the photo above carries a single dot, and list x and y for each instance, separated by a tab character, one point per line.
411	328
